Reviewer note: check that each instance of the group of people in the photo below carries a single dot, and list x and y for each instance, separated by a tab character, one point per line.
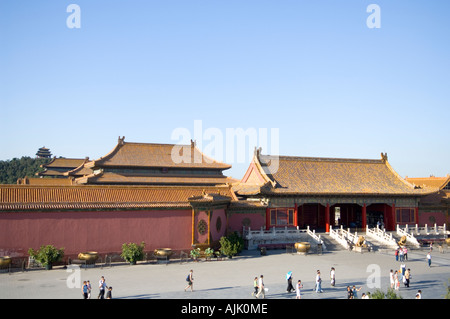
401	254
87	289
298	286
352	293
402	274
259	288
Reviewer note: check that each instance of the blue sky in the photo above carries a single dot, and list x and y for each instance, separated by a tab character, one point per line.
311	69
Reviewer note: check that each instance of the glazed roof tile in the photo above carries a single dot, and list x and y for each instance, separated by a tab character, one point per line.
127	154
28	197
432	181
135	179
328	176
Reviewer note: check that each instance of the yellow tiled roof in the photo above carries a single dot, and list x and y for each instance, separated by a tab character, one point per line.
64	162
127	154
28	197
327	176
135	179
58	166
432	181
44	181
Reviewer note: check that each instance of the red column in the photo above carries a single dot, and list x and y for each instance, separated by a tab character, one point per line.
416	215
364	216
327	218
392	220
267	218
296	215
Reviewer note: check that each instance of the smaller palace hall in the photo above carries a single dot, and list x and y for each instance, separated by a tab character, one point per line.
175	196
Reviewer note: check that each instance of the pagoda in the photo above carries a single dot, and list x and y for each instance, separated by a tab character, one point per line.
43	152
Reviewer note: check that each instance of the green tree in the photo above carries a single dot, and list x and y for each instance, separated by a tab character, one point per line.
231	245
390	294
447	295
11	170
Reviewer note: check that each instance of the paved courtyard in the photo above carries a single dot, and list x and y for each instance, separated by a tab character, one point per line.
233	278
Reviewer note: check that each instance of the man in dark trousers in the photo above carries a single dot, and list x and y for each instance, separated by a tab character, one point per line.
102	286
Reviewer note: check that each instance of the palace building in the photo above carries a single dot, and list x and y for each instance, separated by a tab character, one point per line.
163	194
154	164
57	167
175	196
324	192
433	208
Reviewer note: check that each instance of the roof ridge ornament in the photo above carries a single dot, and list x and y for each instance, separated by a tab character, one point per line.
121	141
384	157
257	151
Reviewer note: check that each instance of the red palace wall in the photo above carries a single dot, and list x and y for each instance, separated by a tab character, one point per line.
255	221
101	231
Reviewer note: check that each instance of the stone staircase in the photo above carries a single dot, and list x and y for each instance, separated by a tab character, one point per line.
330	243
333	245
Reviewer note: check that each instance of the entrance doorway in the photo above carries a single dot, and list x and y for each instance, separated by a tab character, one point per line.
346	215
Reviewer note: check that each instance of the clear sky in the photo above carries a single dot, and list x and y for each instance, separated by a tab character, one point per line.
314	70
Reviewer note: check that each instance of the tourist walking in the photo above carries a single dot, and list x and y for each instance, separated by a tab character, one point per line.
405	253
407	277
318	282
89	287
403	269
333	277
255	287
102	286
391	278
190	280
396	254
396	281
290	287
261	288
401	254
84	290
429	258
298	289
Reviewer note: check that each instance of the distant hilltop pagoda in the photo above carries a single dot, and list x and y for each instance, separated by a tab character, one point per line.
43	152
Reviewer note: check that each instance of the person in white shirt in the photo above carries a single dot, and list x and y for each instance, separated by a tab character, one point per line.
391	278
298	289
333	277
261	289
102	286
318	282
419	294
